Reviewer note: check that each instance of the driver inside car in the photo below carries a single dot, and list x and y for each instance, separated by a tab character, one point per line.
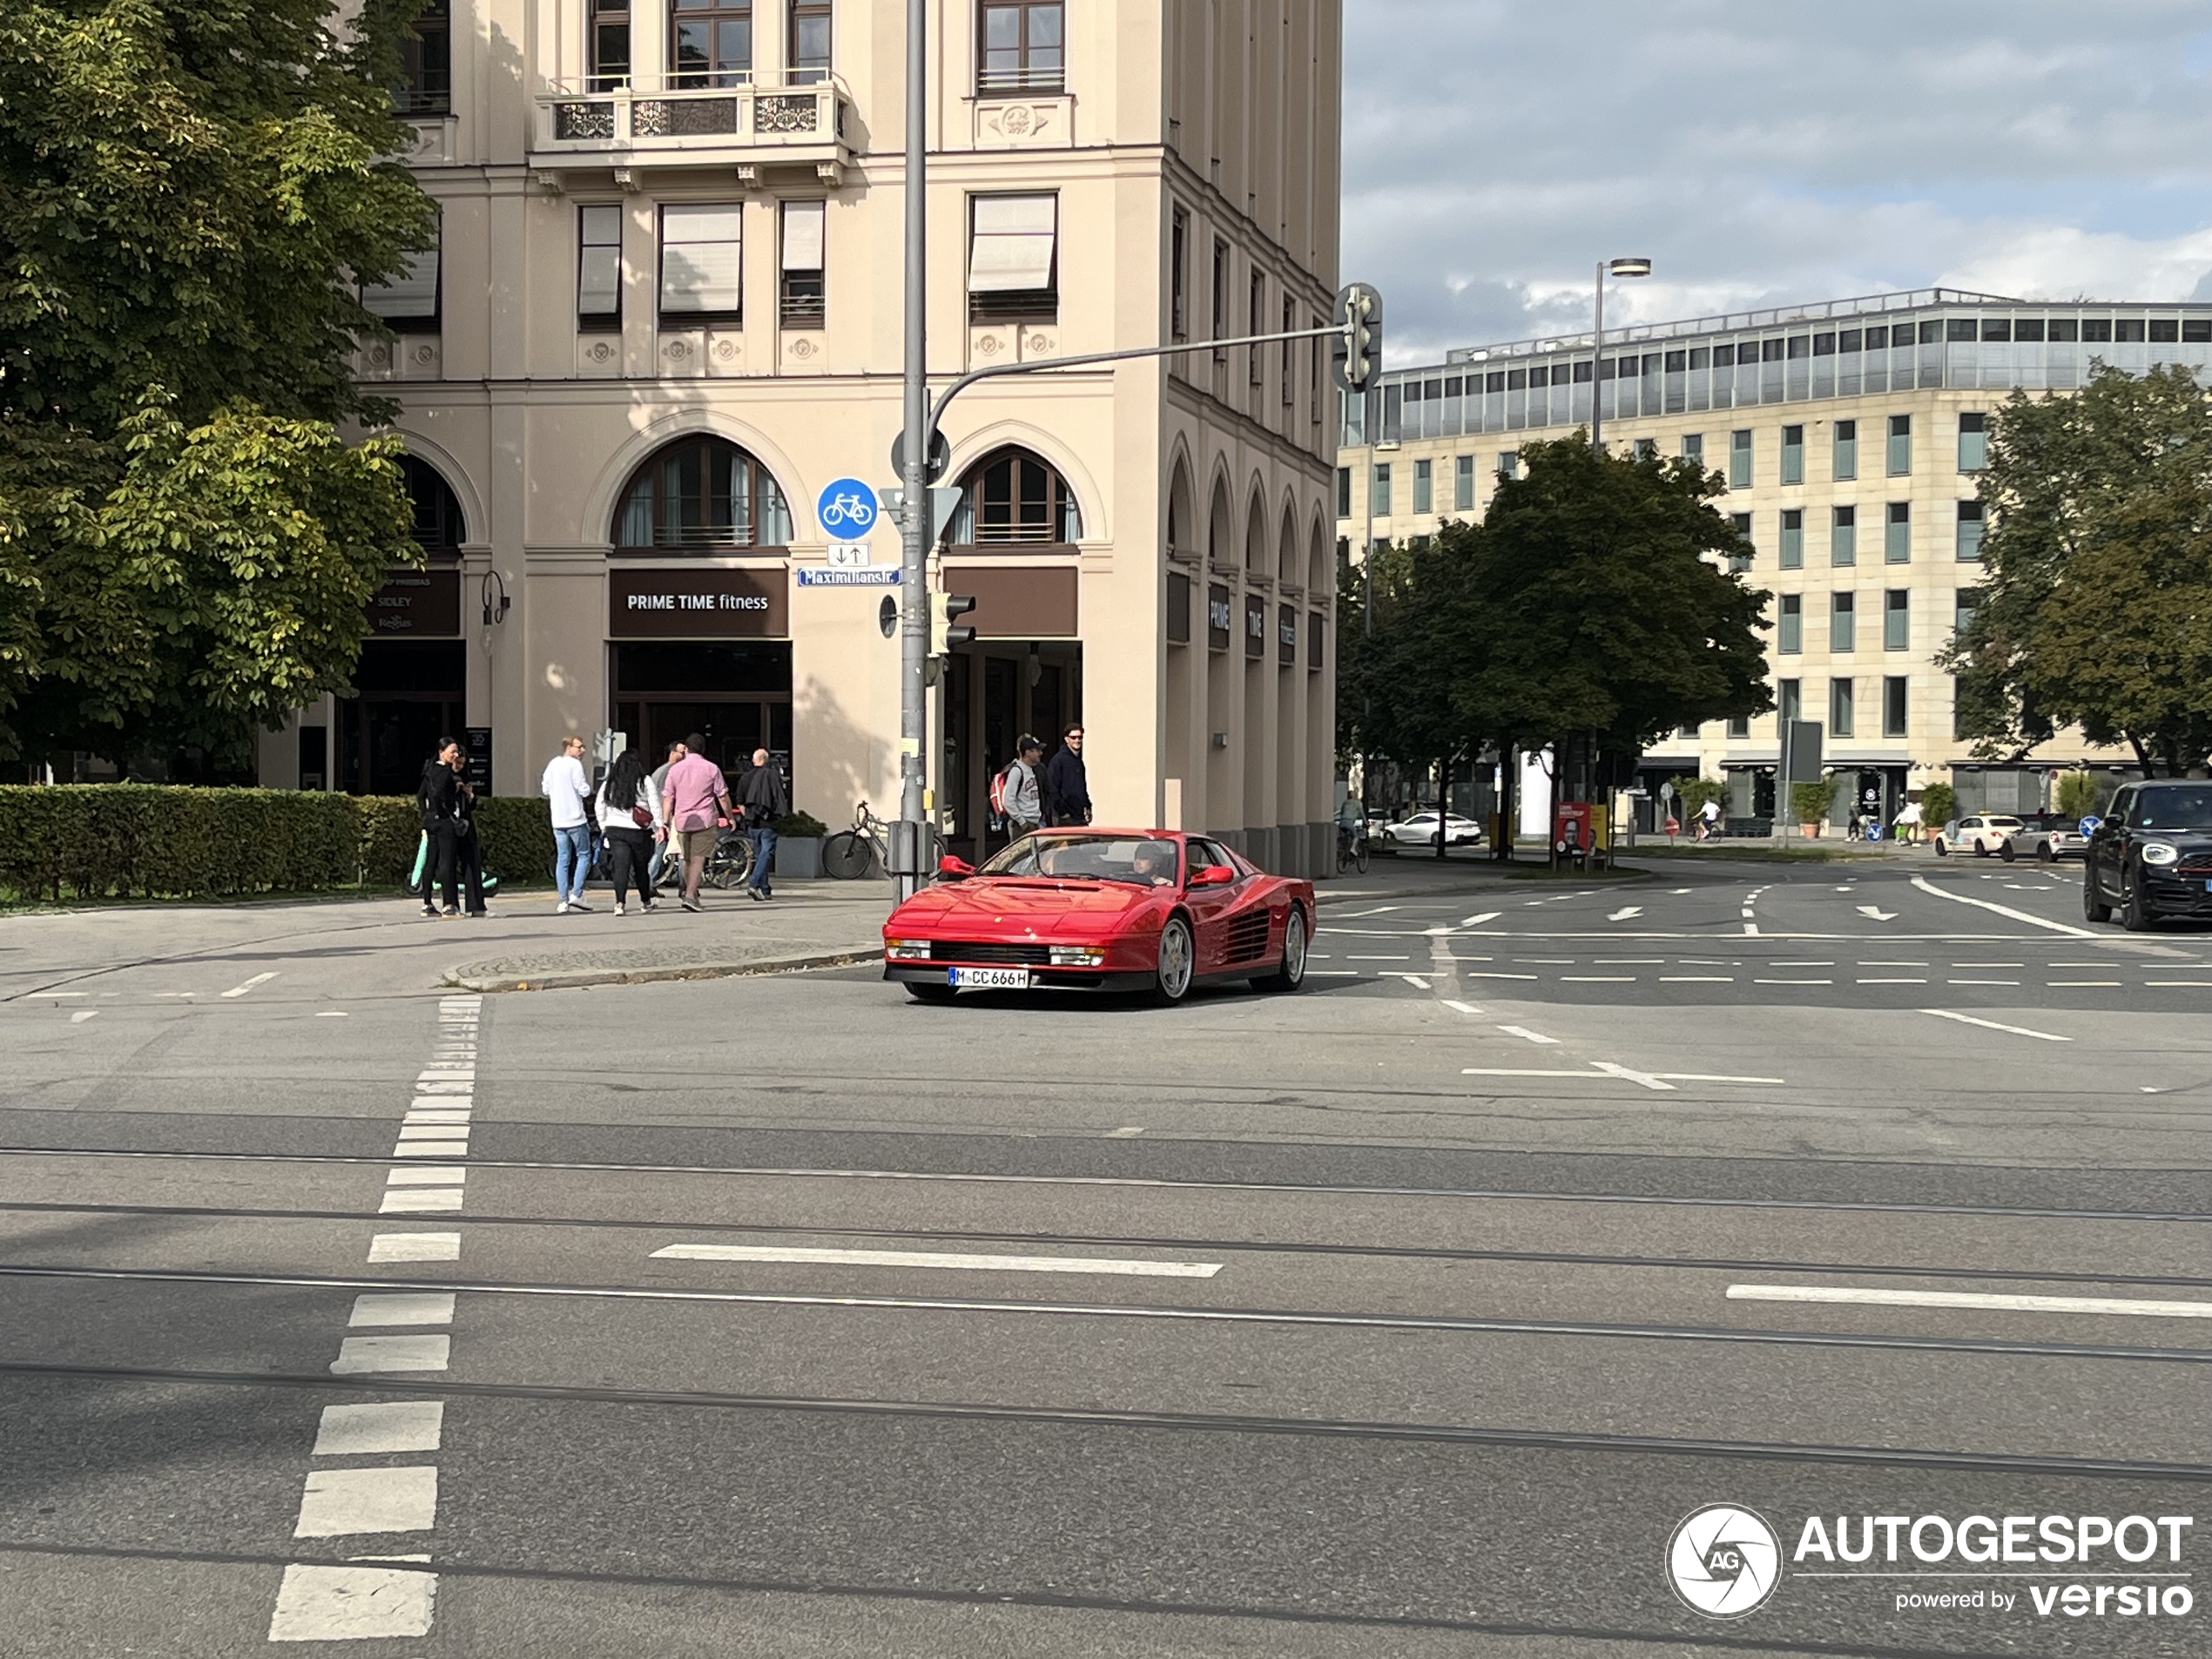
1154	863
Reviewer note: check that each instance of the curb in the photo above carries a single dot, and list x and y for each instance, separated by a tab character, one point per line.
585	977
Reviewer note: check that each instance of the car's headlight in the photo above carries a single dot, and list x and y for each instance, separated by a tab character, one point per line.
2160	852
908	950
1077	956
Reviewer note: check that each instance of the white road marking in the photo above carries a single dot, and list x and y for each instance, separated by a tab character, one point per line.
330	1014
373	1308
1128	1130
1415	981
2016	1030
1712	1077
1698	979
2135	1307
449	1175
83	1014
1332	973
351	1604
1479	974
1464	1007
358	1356
1680	891
414	1247
1642	1078
1597	979
456	1129
434	1114
2201	985
1982	981
1625	911
1122	1266
1878	913
1893	982
1898	964
431	1149
1516	1071
1793	982
75	996
1801	964
2067	928
364	1431
1488	915
2056	983
258	979
1525	1034
1378	959
339	1502
407	1201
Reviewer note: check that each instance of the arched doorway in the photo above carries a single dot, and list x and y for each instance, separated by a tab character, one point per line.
411	683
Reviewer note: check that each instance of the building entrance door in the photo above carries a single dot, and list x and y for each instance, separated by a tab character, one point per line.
412	692
736	695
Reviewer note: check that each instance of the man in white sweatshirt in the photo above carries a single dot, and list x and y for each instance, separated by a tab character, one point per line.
567	789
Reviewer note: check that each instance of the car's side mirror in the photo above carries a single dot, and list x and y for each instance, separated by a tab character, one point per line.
952	869
1213	875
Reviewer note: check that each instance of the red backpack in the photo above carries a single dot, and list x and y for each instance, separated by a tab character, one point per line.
998	789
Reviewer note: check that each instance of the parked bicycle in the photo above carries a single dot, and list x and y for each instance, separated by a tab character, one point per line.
727	867
861	851
1352	847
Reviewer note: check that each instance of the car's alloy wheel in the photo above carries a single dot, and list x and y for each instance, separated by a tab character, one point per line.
2134	912
1177	960
2093	909
1290	973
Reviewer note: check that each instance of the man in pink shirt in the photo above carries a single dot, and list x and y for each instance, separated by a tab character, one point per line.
696	800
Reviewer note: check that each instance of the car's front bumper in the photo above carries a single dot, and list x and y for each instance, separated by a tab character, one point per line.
2187	897
1041	979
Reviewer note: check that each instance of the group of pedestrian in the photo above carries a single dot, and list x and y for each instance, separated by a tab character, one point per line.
683	806
453	862
1034	793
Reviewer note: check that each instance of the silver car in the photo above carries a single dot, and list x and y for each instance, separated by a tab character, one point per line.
1419	830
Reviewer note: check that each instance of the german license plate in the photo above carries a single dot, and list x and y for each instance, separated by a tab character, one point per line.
990	979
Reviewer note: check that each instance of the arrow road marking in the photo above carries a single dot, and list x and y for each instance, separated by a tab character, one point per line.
258	979
1476	921
2016	1030
1878	913
1625	911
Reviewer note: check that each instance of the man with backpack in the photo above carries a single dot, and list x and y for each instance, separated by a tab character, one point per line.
1016	793
761	801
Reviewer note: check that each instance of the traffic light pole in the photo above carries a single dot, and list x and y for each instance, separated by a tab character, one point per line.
908	839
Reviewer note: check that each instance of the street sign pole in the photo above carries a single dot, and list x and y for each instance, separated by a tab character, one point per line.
914	517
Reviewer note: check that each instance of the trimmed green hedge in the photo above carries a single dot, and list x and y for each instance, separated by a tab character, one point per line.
150	841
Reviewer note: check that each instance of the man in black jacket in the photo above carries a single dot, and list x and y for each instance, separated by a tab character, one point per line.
761	801
439	799
1067	787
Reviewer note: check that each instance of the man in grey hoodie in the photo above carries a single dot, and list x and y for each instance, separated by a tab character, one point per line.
1024	798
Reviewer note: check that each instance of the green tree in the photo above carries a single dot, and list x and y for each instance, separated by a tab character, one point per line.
2094	608
1939	806
1596	601
2076	794
188	191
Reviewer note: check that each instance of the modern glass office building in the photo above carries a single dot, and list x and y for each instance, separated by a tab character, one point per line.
1850	433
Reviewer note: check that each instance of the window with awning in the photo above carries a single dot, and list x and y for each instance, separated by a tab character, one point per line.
1013	258
702	262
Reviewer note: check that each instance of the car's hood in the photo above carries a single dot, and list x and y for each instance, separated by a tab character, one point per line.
1018	907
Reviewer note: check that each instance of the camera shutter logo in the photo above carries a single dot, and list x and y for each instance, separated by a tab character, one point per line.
1724	1561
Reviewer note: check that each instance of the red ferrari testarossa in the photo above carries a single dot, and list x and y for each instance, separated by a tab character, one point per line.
1101	910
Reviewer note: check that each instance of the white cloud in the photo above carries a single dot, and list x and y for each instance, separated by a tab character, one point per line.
1767	154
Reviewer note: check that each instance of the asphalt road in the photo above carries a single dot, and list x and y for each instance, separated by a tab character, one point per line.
1408	1315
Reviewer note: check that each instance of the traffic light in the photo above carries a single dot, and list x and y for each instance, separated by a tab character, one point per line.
943	635
1356	354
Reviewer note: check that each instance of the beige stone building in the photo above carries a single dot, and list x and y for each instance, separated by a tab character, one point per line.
1850	433
665	312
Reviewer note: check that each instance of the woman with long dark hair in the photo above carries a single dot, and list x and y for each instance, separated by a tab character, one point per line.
631	818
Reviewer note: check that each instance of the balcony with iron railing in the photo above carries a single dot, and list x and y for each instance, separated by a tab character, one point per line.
742	122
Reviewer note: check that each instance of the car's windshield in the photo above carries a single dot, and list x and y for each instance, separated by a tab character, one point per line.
1143	860
2173	809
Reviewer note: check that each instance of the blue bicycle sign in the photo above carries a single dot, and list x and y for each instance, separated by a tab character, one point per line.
846	508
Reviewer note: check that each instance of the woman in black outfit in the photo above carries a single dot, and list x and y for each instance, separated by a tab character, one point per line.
438	797
630	818
467	851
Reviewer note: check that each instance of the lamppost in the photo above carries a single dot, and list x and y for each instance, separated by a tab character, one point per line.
1626	267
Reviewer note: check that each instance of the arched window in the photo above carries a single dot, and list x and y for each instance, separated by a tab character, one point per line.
702	492
438	526
1013	498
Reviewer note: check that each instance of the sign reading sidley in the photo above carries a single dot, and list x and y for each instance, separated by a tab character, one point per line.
427	603
659	603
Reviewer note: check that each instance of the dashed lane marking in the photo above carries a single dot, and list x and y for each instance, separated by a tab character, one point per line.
1525	1034
352	1603
381	1429
2128	1306
414	1247
1129	1267
338	1502
258	979
1464	1007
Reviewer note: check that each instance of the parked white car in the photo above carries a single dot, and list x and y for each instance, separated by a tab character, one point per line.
1419	830
1981	834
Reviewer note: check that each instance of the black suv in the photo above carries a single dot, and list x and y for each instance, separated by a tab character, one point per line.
2151	858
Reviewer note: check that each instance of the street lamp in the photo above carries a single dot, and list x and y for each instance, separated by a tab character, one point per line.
1626	267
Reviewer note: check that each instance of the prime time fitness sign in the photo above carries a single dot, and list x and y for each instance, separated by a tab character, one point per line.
688	603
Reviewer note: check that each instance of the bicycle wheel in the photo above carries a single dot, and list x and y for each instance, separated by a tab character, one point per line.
1359	855
728	865
845	857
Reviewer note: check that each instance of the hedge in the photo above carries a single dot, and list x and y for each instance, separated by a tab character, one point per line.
151	840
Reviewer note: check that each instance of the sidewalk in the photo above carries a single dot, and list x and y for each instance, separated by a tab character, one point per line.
808	924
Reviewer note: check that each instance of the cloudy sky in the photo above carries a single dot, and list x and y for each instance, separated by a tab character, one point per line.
1764	152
